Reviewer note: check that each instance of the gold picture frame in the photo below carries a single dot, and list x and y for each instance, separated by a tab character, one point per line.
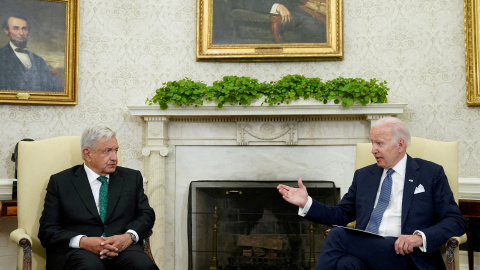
226	31
472	47
50	76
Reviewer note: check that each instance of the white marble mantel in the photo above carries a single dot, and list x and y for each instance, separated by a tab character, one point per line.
243	143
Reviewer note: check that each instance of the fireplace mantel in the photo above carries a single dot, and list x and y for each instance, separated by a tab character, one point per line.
185	144
294	109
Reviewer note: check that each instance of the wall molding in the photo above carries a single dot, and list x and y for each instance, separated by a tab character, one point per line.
469	188
6	186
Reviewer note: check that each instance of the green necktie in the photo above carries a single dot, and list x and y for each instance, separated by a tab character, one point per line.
103	198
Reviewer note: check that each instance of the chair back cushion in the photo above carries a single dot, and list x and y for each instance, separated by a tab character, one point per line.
442	153
37	161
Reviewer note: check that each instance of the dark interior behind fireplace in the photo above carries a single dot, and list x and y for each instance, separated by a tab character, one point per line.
236	225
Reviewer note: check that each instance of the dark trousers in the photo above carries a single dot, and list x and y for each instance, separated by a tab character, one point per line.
131	258
347	249
307	29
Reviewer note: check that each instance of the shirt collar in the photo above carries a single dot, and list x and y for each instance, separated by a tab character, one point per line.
91	175
400	167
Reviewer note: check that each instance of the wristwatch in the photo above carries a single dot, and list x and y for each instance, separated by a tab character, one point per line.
132	236
418	233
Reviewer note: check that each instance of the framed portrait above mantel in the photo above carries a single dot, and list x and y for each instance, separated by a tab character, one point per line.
472	51
269	30
39	52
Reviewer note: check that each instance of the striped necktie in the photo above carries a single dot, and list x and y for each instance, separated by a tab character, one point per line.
383	200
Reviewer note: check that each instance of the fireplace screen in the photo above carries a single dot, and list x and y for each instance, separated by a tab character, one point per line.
236	225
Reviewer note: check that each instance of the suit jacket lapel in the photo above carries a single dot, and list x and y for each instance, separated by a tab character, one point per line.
412	175
81	184
115	184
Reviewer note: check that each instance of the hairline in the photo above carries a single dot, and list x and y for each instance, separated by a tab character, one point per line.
398	129
92	135
18	16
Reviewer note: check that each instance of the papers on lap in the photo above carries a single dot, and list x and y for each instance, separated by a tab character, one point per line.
359	231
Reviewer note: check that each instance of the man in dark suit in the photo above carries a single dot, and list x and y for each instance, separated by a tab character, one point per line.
21	69
415	219
96	215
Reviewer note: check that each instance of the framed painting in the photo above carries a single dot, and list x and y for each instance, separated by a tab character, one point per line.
39	52
472	47
267	30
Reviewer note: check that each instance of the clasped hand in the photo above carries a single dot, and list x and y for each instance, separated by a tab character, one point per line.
106	247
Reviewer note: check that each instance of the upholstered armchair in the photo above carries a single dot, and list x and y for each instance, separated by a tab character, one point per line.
442	153
37	161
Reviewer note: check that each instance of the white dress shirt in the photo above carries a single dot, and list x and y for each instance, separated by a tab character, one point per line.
23	57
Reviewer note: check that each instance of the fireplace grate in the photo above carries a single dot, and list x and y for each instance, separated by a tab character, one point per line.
247	225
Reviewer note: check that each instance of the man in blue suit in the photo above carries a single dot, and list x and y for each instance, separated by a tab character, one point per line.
419	213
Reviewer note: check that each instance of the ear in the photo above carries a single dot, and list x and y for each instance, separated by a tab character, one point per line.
402	144
86	154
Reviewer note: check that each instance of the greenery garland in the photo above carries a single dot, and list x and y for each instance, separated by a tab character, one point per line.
237	90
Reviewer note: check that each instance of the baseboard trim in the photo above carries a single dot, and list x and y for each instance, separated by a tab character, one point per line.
463	263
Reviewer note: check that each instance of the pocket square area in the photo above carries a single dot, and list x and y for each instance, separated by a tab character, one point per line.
419	189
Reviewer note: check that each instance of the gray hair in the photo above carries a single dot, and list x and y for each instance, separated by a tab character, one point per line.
92	135
398	128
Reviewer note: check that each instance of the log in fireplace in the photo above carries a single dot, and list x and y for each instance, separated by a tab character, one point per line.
236	225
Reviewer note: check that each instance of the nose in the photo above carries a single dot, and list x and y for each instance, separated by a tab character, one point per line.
374	149
114	155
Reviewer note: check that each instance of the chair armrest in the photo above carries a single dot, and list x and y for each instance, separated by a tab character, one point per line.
146	246
451	245
21	238
18	235
461	239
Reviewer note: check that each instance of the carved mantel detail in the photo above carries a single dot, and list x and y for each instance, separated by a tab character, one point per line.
269	132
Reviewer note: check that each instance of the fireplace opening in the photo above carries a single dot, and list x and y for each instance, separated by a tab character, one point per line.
236	225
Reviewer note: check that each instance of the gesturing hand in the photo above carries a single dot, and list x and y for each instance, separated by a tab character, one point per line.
296	196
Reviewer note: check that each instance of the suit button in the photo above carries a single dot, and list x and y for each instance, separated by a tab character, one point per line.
105	226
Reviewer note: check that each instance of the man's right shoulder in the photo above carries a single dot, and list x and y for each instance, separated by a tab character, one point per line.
370	167
69	172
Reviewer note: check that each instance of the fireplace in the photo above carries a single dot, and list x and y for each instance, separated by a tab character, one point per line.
243	143
246	225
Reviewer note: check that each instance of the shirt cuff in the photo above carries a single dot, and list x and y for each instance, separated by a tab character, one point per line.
75	241
134	234
274	9
303	211
423	247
